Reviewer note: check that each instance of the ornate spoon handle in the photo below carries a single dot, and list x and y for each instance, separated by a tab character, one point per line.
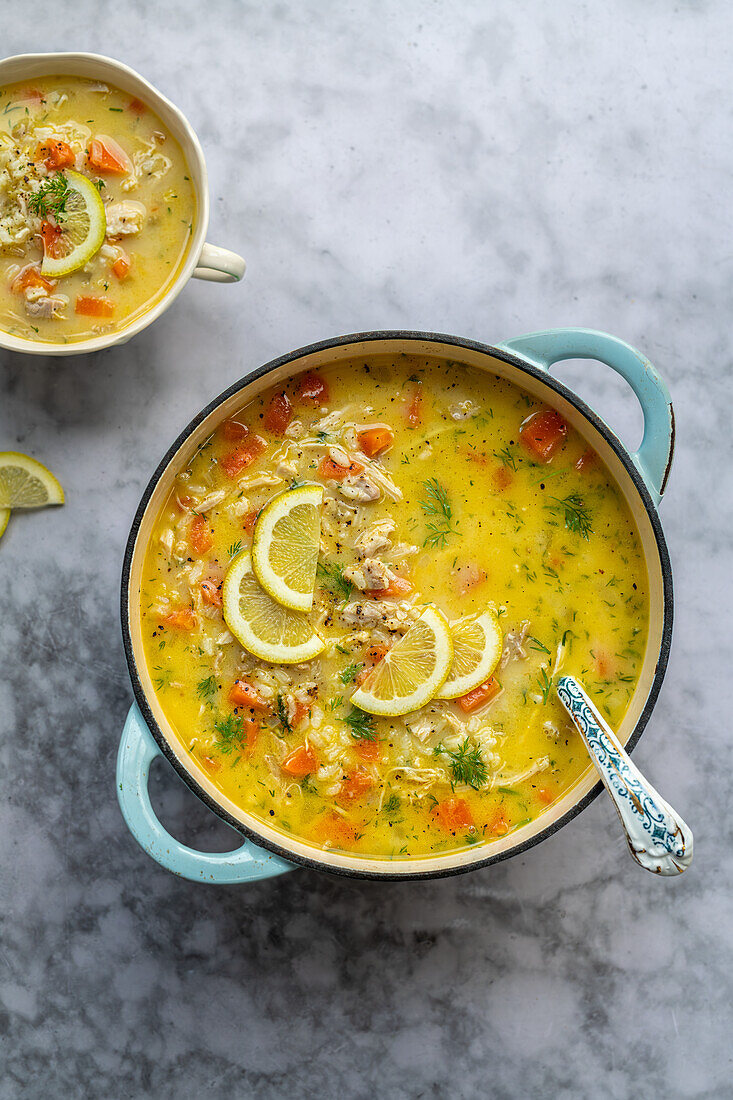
658	838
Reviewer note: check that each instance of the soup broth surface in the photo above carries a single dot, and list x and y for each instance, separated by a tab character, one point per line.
545	539
60	123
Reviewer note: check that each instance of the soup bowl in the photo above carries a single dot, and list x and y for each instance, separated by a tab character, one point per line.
202	260
641	477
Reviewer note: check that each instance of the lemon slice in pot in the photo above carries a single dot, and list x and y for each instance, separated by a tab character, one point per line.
412	671
260	624
285	545
83	224
25	483
477	645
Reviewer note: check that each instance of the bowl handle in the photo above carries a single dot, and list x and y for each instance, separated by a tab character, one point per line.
654	457
219	265
136	753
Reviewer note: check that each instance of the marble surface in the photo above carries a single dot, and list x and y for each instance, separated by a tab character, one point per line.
482	169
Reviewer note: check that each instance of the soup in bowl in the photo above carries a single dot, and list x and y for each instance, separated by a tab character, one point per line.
103	205
462	534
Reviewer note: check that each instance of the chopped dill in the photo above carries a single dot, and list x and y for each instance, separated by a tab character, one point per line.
206	687
51	197
536	644
164	680
361	725
576	515
349	674
506	456
231	732
332	577
545	684
438	507
234	549
282	713
466	764
391	804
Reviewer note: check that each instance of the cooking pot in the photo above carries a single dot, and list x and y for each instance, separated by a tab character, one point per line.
267	850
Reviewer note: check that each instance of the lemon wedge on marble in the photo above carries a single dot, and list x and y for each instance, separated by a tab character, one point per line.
26	483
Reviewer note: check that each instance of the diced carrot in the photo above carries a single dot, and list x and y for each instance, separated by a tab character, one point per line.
278	413
331	471
181	619
374	654
55	154
301	761
368	750
91	306
546	795
374	441
311	387
50	235
106	155
543	433
499	824
587	460
211	593
250	519
121	267
604	664
480	695
137	106
233	431
355	786
30	276
502	478
199	535
301	710
211	764
332	829
235	461
32	94
454	814
413	408
398	586
242	694
250	732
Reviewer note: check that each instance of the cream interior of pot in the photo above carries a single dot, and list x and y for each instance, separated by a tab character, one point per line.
284	842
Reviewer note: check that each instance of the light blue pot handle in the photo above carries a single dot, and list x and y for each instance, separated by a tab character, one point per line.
136	753
654	457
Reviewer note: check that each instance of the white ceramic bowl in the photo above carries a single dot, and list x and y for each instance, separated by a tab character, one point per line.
203	260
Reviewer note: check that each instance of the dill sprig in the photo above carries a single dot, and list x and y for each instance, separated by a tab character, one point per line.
234	549
349	674
506	456
282	713
231	732
545	684
51	197
466	763
391	804
576	515
332	577
537	645
361	725
438	507
205	688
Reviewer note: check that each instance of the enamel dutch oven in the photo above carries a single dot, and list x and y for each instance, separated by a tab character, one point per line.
265	850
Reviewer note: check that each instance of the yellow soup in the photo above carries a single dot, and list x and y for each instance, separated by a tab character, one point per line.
443	486
127	250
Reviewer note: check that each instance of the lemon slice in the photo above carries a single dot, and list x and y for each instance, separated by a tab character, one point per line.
4	517
477	645
83	224
285	546
25	483
263	626
412	671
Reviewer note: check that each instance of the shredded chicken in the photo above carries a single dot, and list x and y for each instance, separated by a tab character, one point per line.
210	501
372	574
463	410
393	616
375	538
46	306
125	218
360	487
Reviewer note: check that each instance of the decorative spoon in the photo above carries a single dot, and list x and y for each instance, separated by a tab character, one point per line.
658	838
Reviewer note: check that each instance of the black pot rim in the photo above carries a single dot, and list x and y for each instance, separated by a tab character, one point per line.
372	337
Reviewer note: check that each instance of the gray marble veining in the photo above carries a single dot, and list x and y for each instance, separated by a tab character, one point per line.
483	169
